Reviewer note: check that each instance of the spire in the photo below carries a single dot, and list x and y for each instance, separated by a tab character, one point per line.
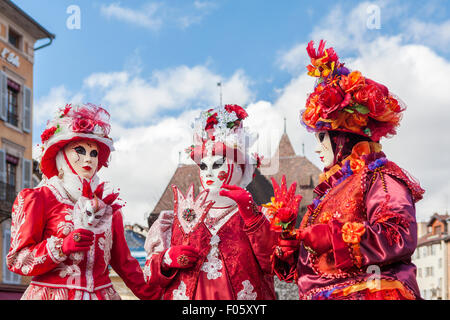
219	84
285	148
285	125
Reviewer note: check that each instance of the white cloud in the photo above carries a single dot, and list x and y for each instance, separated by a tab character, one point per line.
145	159
155	15
136	100
46	105
428	33
144	17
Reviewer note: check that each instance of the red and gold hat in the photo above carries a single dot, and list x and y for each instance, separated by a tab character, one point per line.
73	123
345	100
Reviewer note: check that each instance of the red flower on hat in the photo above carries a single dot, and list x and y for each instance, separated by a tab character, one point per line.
66	110
83	125
211	121
330	99
238	110
376	100
352	82
48	133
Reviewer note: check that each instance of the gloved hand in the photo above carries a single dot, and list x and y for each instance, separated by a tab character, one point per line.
244	200
286	249
317	237
77	240
180	257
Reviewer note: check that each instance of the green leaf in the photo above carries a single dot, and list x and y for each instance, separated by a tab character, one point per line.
231	124
361	109
349	110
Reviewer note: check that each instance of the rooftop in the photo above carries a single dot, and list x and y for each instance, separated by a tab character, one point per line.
11	10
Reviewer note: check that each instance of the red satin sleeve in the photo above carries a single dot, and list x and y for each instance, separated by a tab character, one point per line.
262	240
390	232
126	266
31	253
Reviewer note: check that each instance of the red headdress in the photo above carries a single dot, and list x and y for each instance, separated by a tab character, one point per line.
347	101
74	123
220	131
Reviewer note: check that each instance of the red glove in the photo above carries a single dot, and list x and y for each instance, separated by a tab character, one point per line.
180	257
244	200
286	249
317	237
77	240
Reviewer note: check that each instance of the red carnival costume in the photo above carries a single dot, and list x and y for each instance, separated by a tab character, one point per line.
56	236
359	233
216	246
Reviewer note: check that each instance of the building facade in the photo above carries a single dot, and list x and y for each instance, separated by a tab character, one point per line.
18	35
432	258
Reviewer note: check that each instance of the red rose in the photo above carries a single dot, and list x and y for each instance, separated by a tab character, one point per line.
376	101
361	96
47	134
238	110
211	121
352	82
286	215
330	99
83	125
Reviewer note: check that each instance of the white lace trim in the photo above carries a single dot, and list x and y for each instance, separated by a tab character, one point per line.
180	293
147	270
105	244
213	265
167	260
53	243
247	293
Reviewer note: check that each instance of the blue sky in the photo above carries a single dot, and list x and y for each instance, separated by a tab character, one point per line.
228	35
155	64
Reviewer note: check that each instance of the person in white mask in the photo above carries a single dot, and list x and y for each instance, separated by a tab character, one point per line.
65	233
216	245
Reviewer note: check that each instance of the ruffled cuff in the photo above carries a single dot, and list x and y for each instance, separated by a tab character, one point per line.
54	248
346	238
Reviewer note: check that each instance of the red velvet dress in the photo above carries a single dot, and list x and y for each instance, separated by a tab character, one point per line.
234	261
371	213
41	218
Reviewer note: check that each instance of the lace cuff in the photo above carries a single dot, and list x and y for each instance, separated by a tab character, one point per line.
54	248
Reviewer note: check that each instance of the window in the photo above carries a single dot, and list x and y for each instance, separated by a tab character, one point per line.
13	106
14	38
419	272
437	230
8	276
11	177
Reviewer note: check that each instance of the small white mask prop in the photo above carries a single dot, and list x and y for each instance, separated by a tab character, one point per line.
324	148
92	214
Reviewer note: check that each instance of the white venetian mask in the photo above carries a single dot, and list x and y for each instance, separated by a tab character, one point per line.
217	170
324	148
